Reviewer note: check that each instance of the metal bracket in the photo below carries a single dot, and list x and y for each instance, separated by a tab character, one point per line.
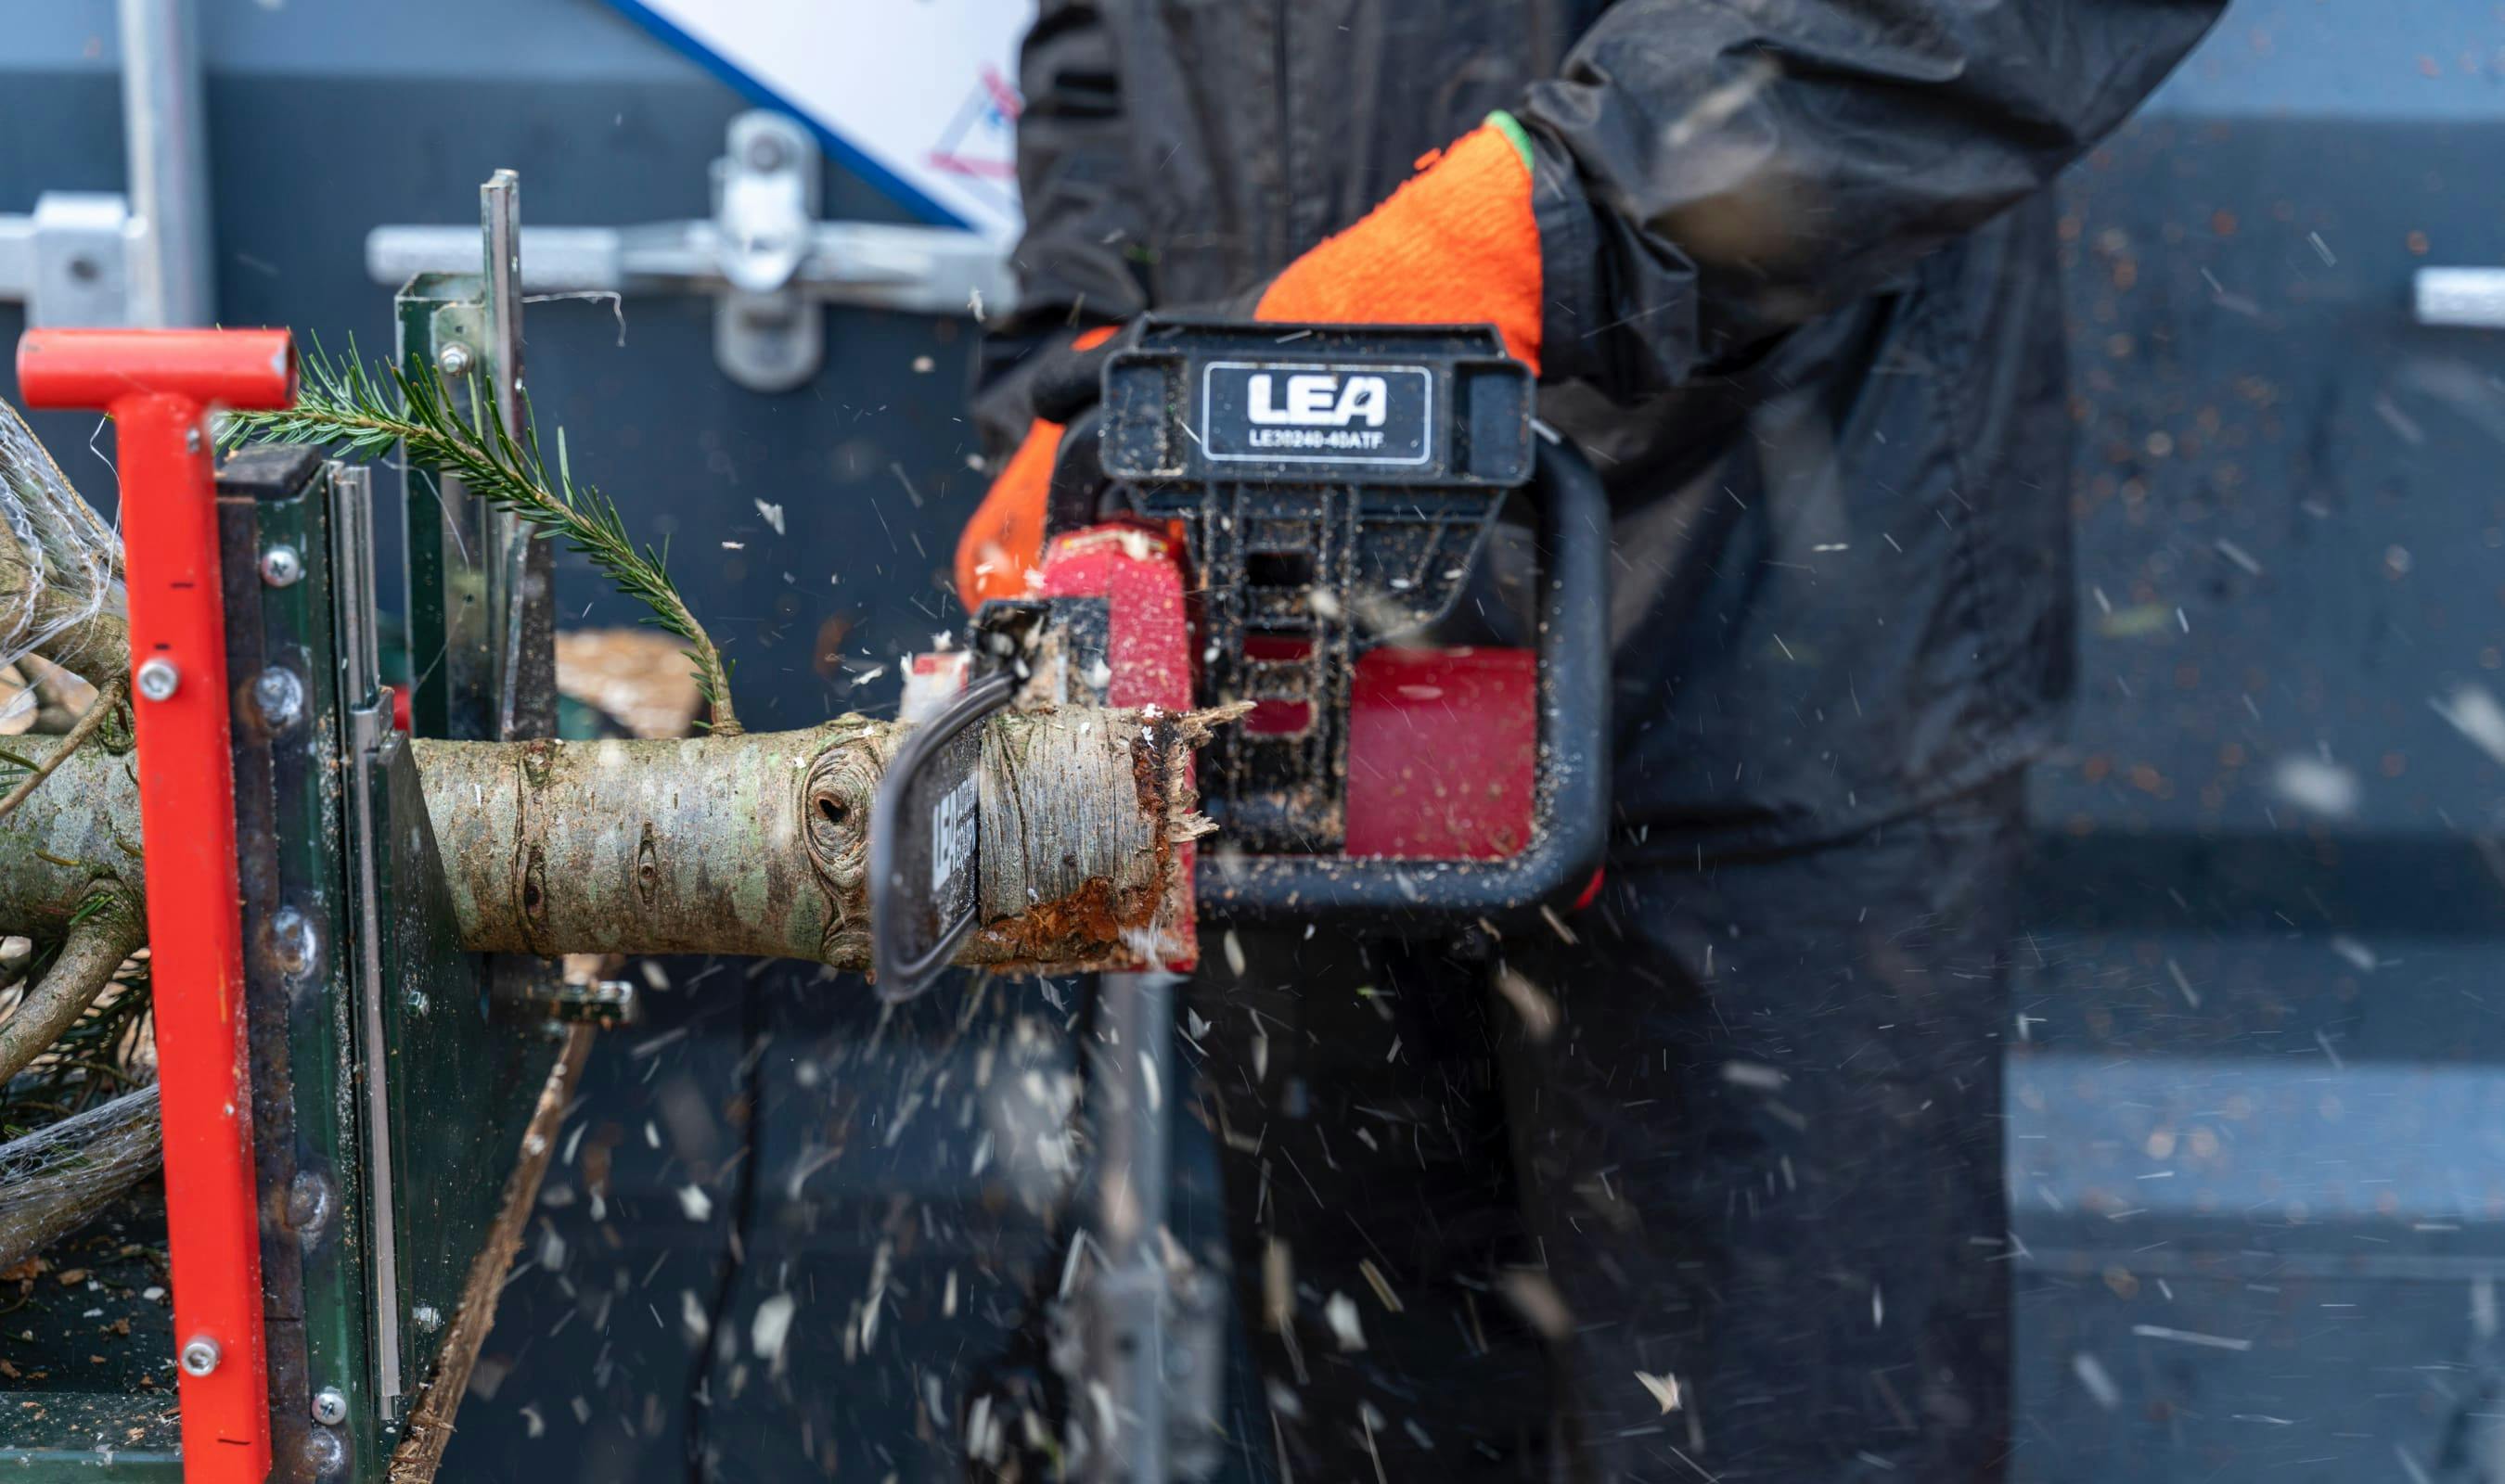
764	256
68	263
106	259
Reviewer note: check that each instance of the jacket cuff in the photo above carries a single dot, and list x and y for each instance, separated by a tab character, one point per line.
1569	263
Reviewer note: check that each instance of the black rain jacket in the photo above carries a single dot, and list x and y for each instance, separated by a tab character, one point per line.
1802	310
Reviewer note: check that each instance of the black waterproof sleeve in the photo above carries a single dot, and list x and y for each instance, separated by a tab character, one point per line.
1074	264
1714	172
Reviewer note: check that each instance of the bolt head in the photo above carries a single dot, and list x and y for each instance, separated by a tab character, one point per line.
309	1204
279	695
158	679
455	360
200	1356
281	566
765	151
427	1317
330	1407
292	940
326	1453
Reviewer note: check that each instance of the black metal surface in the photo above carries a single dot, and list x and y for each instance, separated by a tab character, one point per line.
1076	493
263	867
925	843
1572	803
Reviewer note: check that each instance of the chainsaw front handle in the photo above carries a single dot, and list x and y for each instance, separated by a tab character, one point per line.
1571	812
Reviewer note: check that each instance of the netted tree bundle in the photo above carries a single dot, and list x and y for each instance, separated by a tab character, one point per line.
57	1178
71	558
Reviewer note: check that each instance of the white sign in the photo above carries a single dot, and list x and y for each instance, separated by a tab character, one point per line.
918	96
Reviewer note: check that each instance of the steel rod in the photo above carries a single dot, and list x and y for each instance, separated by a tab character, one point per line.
172	268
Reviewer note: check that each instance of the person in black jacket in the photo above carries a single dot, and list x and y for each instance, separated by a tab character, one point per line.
1786	271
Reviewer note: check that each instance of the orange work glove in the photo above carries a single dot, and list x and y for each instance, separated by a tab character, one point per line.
1005	538
1458	244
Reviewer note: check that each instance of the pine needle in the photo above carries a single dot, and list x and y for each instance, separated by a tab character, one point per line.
344	405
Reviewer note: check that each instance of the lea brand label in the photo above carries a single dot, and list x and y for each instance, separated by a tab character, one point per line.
1300	412
952	833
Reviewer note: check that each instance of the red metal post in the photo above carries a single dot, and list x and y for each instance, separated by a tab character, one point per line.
160	384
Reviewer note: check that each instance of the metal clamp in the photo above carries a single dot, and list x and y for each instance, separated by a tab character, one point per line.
109	260
68	262
765	256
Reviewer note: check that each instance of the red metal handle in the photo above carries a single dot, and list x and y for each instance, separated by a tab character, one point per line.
251	370
160	384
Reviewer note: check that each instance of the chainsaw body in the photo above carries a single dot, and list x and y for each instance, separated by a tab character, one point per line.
1273	516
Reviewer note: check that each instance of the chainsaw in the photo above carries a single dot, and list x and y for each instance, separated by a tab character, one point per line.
1268	519
1267	516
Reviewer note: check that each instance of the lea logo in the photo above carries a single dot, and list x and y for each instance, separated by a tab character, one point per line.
1300	412
1318	399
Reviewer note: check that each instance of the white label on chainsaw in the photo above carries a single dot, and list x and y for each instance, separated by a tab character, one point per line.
1304	413
952	833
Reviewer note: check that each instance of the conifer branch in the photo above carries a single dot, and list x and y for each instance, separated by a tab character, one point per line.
345	405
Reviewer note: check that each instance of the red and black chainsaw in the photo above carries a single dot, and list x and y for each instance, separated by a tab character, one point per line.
1272	514
1275	515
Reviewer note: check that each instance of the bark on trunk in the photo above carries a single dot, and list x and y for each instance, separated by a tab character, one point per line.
752	844
76	833
759	843
59	1178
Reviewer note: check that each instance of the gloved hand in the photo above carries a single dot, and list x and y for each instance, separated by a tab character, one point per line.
1457	245
1004	538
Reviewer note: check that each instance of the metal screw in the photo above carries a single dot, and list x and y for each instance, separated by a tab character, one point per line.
200	1356
455	359
159	679
764	152
281	566
325	1453
427	1318
309	1204
192	440
280	696
329	1407
292	940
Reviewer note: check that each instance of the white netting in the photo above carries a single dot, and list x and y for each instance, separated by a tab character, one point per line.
73	558
54	1179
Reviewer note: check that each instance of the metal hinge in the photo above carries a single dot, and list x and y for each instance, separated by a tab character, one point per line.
765	256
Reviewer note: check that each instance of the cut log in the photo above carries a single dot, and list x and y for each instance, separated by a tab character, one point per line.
753	844
759	843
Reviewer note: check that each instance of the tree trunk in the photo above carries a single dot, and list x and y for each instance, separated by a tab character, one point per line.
750	845
75	833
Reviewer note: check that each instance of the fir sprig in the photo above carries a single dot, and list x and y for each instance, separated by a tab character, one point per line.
344	405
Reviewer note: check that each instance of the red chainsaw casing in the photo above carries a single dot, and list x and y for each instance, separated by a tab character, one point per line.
1443	753
1443	744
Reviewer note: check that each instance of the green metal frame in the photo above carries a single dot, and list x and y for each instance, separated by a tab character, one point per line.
393	1074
